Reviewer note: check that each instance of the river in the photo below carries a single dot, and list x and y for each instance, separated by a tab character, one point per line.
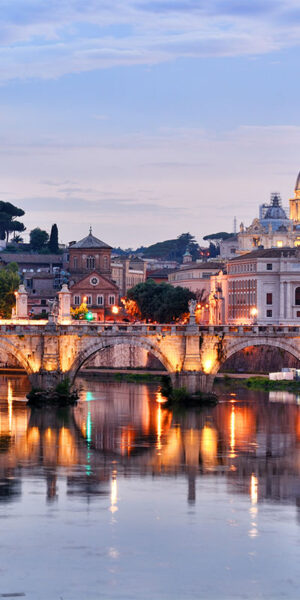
120	498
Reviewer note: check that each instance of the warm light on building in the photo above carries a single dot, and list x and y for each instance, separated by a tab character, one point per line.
115	310
207	365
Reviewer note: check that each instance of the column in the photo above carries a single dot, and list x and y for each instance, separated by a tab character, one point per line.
21	311
64	305
281	300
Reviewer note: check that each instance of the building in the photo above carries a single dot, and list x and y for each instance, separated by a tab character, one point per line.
91	276
128	272
195	275
261	287
273	228
42	275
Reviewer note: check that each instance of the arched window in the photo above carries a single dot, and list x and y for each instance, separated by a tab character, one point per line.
297	296
105	262
90	262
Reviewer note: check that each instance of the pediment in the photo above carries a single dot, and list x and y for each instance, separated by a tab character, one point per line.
95	281
256	227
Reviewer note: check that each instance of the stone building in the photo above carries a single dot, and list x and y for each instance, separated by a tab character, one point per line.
91	276
195	275
128	272
260	287
42	275
272	229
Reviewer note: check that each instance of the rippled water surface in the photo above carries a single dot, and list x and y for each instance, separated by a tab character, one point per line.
120	498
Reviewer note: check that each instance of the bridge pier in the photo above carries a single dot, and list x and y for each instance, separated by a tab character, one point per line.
46	380
193	381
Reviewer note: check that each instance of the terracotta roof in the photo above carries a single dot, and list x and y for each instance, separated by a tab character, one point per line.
266	253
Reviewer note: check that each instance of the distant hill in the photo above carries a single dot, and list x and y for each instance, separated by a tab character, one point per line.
169	249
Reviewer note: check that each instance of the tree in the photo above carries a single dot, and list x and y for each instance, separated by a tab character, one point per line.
172	249
8	223
160	302
53	242
38	239
79	312
9	283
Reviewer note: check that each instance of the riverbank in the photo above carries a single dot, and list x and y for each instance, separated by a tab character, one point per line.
258	382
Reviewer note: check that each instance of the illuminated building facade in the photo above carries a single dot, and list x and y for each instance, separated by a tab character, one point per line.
261	287
91	276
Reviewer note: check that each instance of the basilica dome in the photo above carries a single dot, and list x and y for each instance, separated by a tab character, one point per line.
275	210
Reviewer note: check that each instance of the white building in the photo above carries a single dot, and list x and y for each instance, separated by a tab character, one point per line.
260	287
195	276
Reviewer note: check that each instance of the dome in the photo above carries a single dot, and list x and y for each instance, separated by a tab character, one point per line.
297	186
275	210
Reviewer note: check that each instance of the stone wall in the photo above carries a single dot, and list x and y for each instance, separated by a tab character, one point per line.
259	359
123	357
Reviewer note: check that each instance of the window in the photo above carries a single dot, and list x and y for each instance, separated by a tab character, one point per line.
298	313
279	244
105	262
100	300
111	300
77	300
75	262
269	313
43	302
44	312
269	267
297	296
90	262
269	298
89	300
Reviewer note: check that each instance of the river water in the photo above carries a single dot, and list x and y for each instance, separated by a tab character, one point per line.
120	498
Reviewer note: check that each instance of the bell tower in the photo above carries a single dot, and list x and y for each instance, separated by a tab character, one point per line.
295	202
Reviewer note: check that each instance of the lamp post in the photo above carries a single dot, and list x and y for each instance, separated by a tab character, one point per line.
115	311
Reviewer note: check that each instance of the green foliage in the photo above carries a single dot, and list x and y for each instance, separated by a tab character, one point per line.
53	241
63	387
173	249
38	239
160	302
221	235
8	223
9	283
264	383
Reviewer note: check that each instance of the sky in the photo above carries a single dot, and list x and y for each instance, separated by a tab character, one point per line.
146	119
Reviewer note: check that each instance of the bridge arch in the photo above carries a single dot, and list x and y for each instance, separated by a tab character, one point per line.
111	342
237	346
14	352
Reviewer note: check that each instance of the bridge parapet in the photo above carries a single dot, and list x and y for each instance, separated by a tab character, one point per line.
59	350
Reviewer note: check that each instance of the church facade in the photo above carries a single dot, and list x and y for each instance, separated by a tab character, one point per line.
272	229
91	276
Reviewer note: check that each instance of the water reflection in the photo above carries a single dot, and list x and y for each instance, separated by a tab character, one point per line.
123	429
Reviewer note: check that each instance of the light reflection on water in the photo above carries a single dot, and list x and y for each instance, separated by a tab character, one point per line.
121	498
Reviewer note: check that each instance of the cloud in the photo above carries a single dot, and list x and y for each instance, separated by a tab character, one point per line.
48	40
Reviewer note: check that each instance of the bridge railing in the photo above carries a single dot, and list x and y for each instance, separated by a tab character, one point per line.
98	328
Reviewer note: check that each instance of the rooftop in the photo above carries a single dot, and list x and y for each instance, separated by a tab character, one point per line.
266	253
90	241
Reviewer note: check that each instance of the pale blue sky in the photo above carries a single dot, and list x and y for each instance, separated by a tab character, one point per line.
147	119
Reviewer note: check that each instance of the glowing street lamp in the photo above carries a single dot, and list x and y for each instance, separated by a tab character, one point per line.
115	311
253	313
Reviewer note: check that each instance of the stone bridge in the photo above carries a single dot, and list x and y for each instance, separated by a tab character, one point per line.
192	354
